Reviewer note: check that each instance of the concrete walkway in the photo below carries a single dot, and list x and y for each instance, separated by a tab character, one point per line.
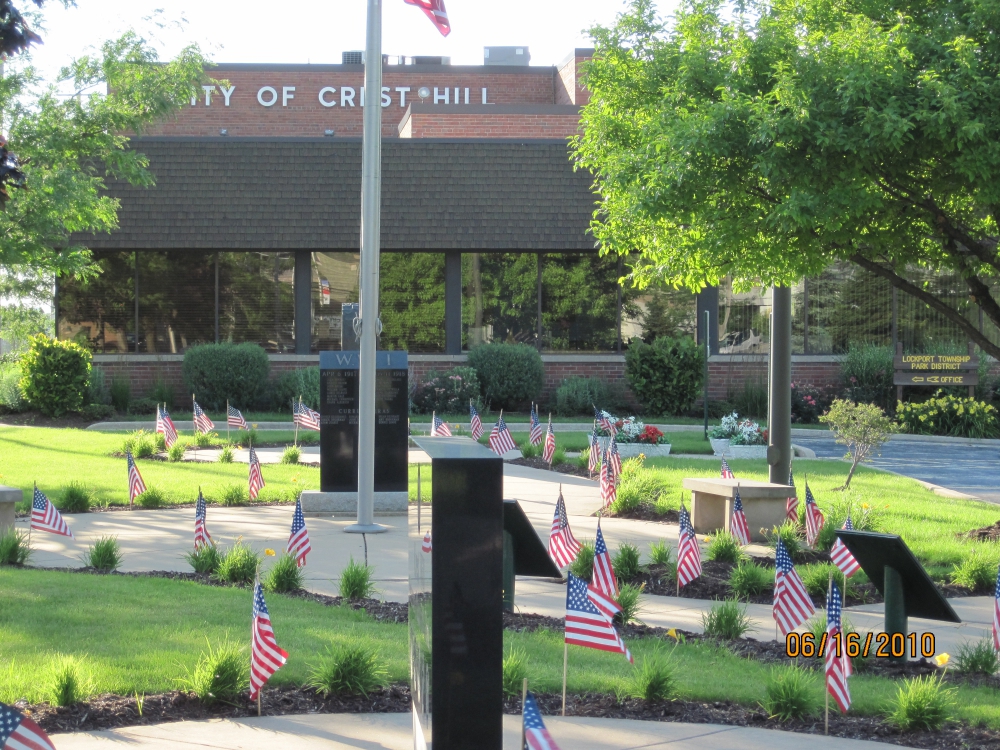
394	732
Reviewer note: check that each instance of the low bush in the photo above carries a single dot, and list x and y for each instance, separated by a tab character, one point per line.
235	494
666	375
790	693
176	451
946	414
583	460
206	439
978	571
221	675
162	393
140	444
14	548
67	685
653	680
978	658
637	489
867	371
515	669
226	455
152	498
104	555
921	703
204	560
447	392
226	372
76	498
659	552
351	668
356	580
289	386
630	602
724	547
120	393
810	401
55	375
559	457
291	455
749	579
238	565
97	412
626	561
142	407
510	375
583	565
11	398
816	578
284	576
727	620
576	396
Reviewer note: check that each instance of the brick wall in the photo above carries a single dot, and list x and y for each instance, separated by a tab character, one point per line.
728	372
489	122
569	88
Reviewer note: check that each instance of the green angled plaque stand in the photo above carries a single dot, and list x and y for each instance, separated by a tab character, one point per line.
524	554
900	578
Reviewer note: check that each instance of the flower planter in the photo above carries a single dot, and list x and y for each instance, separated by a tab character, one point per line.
627	450
719	445
746	451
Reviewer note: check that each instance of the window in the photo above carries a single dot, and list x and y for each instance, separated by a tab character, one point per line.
99	312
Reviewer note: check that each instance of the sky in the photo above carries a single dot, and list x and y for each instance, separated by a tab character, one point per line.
314	31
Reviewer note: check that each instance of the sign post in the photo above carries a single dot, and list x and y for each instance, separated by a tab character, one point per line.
936	370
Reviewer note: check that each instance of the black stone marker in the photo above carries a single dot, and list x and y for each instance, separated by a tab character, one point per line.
338	437
524	554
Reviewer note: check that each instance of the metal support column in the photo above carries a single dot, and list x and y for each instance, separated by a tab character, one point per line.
895	605
708	301
779	403
302	289
453	303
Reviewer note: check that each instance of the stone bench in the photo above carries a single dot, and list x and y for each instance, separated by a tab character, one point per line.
8	497
712	504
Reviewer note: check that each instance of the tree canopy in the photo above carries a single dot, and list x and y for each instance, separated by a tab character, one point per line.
767	140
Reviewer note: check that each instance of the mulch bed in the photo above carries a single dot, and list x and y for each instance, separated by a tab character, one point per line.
37	419
567	467
985	534
643	513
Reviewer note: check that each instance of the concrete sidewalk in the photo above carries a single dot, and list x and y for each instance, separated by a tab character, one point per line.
394	732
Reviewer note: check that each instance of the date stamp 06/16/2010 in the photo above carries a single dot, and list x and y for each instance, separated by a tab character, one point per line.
880	645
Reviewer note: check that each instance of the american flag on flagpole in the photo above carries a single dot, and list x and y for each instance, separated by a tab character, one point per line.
792	604
256	480
814	518
727	473
266	657
20	732
563	547
604	572
425	545
201	536
235	419
535	438
738	525
201	421
792	503
996	613
165	426
594	460
842	557
536	735
434	10
838	665
688	551
135	484
586	625
609	489
305	417
500	440
549	451
475	423
298	540
605	420
46	517
438	427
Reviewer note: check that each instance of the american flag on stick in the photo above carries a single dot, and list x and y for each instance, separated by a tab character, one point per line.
475	423
996	613
594	460
549	451
266	657
165	426
235	419
727	473
792	604
604	572
814	518
135	484
500	440
434	10
305	417
605	420
586	625
256	481
792	503
537	433
438	427
563	547
536	736
201	421
46	517
614	457
19	732
201	536
738	525
609	489
842	557
298	540
838	665
688	551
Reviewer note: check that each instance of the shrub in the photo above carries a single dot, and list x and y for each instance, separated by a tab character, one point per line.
515	669
54	375
291	455
629	601
559	457
104	555
790	534
67	685
749	579
654	680
176	451
867	370
206	439
583	565
978	571
120	393
204	560
724	547
510	375
810	401
978	658
140	444
225	455
235	494
816	578
790	693
97	412
665	375
946	414
76	498
14	549
577	395
142	407
626	561
238	565
637	489
278	394
750	399
152	498
921	703
162	393
727	620
11	397
284	576
447	392
356	581
220	675
351	668
659	552
221	372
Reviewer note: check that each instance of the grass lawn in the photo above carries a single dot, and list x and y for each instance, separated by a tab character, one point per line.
140	635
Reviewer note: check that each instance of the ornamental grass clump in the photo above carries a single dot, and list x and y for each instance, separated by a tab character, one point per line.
104	555
659	553
978	658
175	452
14	549
978	571
351	668
790	535
630	602
921	703
583	565
749	579
790	693
653	680
515	669
727	620
140	444
152	498
626	562
291	455
284	576
235	494
238	566
637	488
221	674
356	580
816	578
76	498
205	559
66	686
724	547
226	455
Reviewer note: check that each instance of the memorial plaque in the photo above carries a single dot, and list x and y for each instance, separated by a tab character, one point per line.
338	439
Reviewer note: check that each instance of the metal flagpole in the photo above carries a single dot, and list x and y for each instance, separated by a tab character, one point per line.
371	197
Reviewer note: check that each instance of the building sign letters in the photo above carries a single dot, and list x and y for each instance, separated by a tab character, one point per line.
346	96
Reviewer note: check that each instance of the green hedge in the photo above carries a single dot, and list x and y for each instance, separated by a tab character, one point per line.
216	373
666	376
510	375
55	375
290	385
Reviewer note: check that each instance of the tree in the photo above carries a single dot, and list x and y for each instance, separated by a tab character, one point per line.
863	428
769	142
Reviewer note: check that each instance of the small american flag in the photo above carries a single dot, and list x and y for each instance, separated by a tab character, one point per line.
425	545
594	460
727	473
537	433
298	540
475	423
609	490
842	557
996	613
563	547
688	551
266	657
500	440
439	428
235	419
615	458
135	484
165	426
814	517
256	478
739	525
305	417
549	451
434	10
604	572
201	421
605	420
45	517
792	503
838	665
536	735
792	605
586	625
19	732
201	536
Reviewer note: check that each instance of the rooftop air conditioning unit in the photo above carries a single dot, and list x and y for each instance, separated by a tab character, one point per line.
506	56
354	57
425	60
